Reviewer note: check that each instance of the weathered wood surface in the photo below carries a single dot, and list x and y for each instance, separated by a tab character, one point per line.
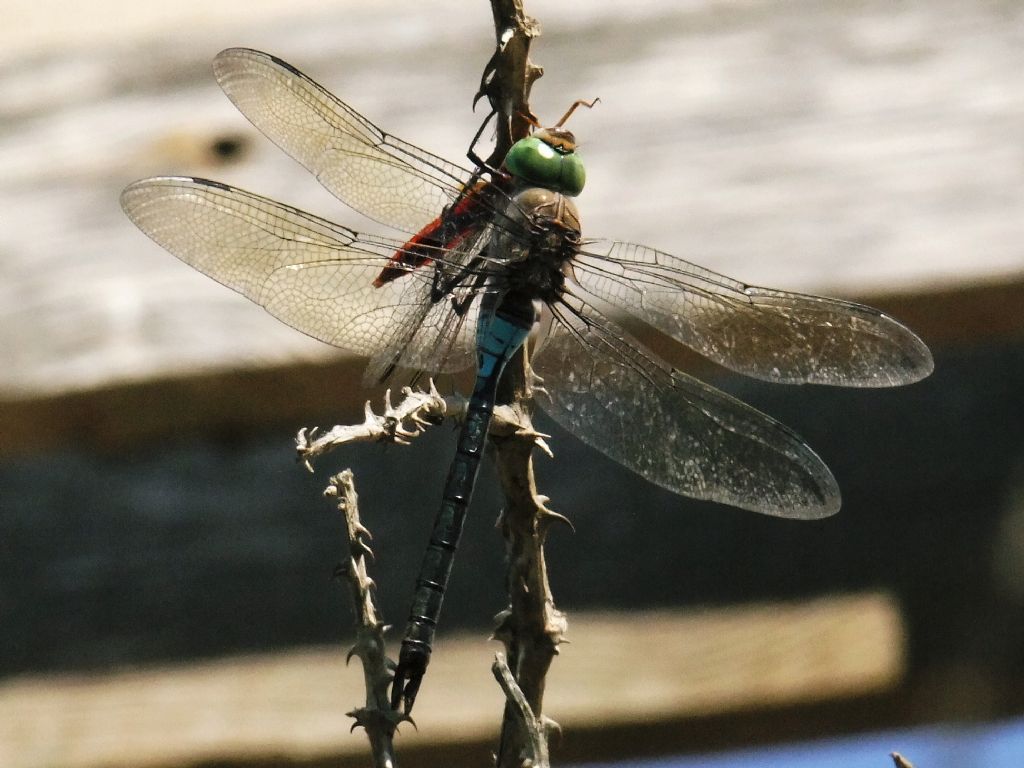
850	148
619	669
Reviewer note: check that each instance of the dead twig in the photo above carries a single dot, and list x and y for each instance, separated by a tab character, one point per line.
536	728
400	424
376	716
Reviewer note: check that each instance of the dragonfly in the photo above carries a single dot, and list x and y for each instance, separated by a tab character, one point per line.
486	255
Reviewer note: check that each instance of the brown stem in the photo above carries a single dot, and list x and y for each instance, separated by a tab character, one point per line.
531	628
509	75
376	716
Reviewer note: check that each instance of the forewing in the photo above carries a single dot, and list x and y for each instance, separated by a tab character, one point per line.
777	336
383	177
672	429
312	274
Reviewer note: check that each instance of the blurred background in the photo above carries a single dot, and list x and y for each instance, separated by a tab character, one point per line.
165	590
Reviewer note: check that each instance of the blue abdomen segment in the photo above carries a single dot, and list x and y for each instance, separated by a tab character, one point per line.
496	342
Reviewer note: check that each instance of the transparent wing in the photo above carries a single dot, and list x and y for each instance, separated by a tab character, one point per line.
436	331
774	335
672	429
312	274
382	177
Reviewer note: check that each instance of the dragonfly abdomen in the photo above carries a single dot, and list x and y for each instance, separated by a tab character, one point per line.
501	333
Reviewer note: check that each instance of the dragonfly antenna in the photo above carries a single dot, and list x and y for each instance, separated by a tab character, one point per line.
578	103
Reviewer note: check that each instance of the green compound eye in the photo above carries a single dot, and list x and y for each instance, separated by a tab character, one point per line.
574	176
537	162
534	161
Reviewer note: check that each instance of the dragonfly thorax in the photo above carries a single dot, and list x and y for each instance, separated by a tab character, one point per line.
541	238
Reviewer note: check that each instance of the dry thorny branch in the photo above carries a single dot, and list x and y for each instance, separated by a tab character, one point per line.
528	627
376	716
400	424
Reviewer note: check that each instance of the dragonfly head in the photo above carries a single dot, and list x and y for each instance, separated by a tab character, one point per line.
548	159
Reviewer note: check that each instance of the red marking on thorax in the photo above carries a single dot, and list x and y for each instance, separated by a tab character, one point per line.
459	222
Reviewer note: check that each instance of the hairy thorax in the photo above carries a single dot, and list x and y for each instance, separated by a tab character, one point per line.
552	227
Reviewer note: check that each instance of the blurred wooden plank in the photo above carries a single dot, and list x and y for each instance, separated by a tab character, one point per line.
854	149
286	396
619	669
38	26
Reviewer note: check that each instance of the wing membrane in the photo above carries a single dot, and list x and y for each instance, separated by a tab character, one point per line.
769	334
312	274
672	429
387	179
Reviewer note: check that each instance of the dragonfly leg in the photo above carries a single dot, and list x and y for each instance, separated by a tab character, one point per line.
474	158
442	287
461	306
